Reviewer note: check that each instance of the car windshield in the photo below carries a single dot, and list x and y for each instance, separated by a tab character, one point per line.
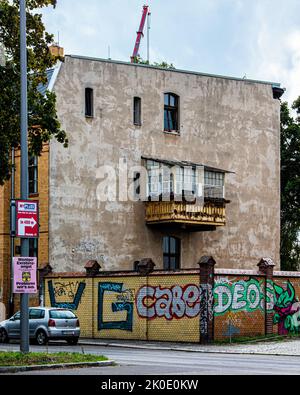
61	314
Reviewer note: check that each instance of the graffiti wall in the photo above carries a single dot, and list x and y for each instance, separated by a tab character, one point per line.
239	306
177	306
286	306
74	294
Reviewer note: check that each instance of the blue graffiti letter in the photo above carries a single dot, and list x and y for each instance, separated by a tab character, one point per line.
117	306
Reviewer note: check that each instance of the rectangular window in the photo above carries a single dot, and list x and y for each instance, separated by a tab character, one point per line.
171	253
89	102
173	180
171	112
62	314
137	186
137	111
33	247
189	176
35	314
214	184
33	175
154	179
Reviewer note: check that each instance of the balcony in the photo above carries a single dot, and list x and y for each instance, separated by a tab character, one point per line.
184	195
186	215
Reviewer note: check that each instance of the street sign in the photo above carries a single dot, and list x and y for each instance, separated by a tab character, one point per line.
27	218
25	275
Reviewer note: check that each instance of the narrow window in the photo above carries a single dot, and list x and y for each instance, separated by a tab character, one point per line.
33	247
171	250
33	175
171	113
137	186
137	111
89	102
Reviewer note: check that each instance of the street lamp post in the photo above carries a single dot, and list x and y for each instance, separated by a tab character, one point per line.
24	345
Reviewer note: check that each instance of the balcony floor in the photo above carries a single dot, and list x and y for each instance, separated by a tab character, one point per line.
185	216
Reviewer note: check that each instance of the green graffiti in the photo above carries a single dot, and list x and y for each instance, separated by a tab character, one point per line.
285	298
239	296
287	310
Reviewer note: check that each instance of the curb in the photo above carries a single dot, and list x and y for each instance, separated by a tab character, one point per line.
182	349
15	369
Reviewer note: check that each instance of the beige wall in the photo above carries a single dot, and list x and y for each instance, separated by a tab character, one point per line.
226	123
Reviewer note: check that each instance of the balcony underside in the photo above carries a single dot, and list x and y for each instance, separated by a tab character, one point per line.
185	216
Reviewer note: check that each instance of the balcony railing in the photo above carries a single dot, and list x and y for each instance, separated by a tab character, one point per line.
185	213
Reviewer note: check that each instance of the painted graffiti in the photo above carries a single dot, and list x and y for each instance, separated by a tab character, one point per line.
117	303
287	310
123	303
233	325
238	296
67	289
59	289
175	302
190	301
206	307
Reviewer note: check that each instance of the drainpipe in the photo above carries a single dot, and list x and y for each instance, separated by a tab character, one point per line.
12	239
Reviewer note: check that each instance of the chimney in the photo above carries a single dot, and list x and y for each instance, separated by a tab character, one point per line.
56	51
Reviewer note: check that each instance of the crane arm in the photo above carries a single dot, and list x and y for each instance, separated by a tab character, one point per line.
140	34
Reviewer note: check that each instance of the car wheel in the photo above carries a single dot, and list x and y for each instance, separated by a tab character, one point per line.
41	338
72	342
3	336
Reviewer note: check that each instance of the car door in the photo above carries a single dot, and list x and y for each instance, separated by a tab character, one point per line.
14	323
36	317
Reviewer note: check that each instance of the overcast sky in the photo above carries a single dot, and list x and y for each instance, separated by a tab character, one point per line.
256	38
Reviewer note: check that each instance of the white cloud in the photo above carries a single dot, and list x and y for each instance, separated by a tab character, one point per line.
260	38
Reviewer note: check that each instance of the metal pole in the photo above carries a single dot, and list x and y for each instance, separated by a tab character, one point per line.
148	37
24	345
12	239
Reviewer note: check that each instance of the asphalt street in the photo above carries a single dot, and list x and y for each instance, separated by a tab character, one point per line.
165	362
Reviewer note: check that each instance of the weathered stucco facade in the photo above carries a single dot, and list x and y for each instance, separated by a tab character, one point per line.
224	122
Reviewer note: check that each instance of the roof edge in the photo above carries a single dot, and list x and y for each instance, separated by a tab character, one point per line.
175	162
54	76
273	84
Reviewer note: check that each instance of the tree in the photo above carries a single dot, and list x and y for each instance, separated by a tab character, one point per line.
163	65
43	123
290	187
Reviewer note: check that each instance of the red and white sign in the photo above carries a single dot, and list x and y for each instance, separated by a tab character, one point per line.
25	275
27	218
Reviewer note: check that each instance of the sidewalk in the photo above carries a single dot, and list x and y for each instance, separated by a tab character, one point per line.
284	347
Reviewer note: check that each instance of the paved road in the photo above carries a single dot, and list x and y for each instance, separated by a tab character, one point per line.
147	362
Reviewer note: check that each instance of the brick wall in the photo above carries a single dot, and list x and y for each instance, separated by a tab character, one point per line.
165	306
42	197
239	306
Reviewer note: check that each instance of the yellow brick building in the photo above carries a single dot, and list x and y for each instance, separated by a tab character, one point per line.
42	195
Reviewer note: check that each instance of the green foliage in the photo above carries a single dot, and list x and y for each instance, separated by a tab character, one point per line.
43	123
163	65
290	187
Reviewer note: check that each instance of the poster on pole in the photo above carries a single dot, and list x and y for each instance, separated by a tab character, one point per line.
25	279
27	214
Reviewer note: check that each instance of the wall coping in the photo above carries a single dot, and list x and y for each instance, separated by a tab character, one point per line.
121	274
238	272
286	274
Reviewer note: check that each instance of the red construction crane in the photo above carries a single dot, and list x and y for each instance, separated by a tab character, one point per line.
140	34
